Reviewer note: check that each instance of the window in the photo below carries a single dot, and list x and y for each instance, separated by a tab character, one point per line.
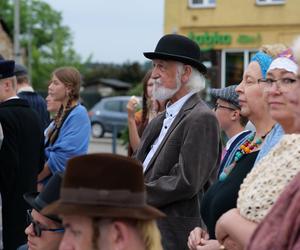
202	3
269	2
112	106
234	62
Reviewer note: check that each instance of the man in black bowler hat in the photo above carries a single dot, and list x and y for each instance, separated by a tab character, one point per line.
21	156
180	148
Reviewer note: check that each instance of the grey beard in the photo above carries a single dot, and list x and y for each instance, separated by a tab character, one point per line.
161	93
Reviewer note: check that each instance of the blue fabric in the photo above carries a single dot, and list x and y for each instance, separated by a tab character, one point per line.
235	145
23	247
73	139
263	60
271	140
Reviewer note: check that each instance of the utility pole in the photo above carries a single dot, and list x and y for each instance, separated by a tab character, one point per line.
17	53
29	44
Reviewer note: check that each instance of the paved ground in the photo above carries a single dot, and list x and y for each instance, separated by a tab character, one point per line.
105	145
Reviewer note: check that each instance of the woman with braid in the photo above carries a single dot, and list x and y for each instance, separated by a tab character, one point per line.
68	134
137	121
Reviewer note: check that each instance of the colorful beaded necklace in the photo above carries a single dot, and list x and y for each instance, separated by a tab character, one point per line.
246	148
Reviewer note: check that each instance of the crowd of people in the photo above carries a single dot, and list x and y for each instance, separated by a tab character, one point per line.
179	187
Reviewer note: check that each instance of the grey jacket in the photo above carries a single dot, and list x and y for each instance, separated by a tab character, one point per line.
182	168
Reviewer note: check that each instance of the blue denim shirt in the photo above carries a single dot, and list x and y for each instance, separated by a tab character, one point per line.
271	140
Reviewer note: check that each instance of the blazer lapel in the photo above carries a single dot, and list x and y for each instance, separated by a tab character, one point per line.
150	136
190	103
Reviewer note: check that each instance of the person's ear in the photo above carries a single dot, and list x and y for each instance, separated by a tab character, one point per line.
68	90
7	83
120	235
235	115
186	73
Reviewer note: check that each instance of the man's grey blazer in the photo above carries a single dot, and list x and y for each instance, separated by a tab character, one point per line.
182	168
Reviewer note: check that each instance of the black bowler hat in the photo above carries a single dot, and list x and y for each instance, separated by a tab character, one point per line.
49	194
178	48
7	68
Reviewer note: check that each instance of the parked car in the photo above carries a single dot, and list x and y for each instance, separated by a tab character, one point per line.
109	113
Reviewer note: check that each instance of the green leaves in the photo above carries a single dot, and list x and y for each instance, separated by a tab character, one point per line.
51	42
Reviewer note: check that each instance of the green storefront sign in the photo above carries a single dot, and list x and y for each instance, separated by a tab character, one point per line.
210	40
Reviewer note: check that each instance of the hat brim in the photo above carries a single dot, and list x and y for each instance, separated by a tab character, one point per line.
143	213
29	198
183	59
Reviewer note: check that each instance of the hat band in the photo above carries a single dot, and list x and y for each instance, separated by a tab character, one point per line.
122	198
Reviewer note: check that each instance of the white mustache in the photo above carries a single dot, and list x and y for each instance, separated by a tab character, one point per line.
157	81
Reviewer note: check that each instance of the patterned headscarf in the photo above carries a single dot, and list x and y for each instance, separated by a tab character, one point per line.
264	61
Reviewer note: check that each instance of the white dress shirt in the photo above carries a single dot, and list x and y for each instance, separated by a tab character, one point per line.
171	112
232	139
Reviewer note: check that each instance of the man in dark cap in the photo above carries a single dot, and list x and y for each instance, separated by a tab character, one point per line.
21	156
228	113
180	148
25	91
43	232
105	207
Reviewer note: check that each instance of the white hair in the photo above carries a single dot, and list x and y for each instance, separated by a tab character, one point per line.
196	81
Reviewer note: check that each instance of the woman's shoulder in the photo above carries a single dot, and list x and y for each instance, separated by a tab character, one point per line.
79	110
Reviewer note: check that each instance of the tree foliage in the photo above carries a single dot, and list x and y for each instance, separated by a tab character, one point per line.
128	72
52	47
51	42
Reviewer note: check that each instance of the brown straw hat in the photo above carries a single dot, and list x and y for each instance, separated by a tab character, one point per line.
103	185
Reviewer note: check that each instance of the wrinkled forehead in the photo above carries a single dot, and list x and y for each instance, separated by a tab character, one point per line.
253	70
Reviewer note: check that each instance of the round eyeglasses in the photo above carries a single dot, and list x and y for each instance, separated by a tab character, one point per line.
38	228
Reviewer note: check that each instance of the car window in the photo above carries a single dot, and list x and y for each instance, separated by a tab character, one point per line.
124	106
112	106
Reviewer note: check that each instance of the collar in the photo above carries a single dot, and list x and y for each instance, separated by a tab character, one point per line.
231	140
12	97
173	109
25	89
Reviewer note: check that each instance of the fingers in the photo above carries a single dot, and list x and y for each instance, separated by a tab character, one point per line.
197	237
132	104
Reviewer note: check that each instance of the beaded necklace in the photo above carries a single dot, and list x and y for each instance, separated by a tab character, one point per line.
246	148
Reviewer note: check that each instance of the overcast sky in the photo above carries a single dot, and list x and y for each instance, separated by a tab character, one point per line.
113	31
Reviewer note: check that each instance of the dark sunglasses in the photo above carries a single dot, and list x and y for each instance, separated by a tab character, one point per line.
37	227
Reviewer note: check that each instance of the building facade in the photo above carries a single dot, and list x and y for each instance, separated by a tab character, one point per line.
6	45
230	32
